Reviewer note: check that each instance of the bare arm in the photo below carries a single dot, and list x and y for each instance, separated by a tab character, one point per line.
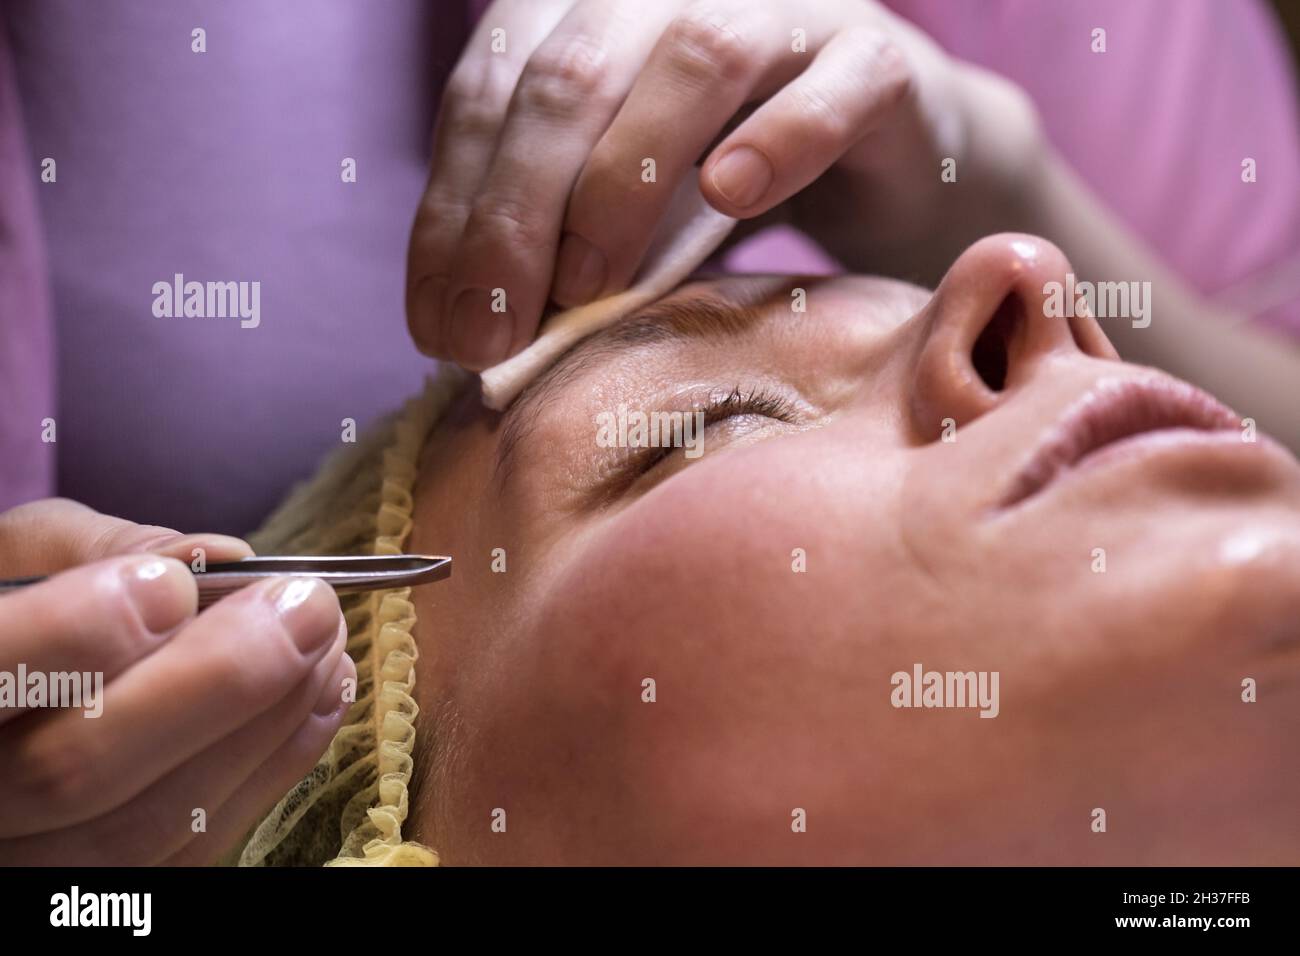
1255	371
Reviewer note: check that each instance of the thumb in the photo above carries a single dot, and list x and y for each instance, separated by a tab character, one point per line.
53	534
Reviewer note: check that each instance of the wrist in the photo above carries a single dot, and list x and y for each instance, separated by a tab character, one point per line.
1007	150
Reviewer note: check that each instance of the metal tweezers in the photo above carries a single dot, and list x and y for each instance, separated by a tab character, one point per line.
344	573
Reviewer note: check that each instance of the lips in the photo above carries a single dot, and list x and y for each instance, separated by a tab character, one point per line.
1113	411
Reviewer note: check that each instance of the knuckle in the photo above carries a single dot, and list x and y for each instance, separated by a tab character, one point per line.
509	221
890	71
476	81
704	47
474	97
60	775
822	112
122	537
565	80
471	118
246	680
442	210
100	540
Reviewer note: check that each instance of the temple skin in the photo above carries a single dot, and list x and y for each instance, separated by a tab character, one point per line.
1120	689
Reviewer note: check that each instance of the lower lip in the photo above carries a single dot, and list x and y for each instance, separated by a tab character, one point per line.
1161	442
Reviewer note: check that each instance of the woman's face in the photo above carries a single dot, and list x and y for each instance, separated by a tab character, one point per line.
894	478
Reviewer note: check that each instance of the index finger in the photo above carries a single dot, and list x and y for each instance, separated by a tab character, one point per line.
97	620
46	536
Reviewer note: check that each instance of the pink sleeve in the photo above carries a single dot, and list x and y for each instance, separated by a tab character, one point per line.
1160	124
26	324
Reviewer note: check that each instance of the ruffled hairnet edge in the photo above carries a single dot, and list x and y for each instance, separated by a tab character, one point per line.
362	781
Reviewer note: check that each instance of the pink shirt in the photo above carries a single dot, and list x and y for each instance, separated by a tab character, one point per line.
226	167
1158	126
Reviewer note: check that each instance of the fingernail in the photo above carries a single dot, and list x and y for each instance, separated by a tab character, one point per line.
163	591
331	695
742	176
213	547
425	305
308	610
480	337
579	271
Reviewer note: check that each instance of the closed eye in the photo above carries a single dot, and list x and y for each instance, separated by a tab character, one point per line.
646	466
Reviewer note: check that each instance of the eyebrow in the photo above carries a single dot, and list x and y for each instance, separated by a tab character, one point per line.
729	310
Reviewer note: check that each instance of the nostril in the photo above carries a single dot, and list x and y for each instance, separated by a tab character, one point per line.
989	355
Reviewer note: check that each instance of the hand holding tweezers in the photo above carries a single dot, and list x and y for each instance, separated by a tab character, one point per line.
344	573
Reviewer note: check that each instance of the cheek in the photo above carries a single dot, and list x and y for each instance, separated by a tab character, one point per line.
756	659
722	568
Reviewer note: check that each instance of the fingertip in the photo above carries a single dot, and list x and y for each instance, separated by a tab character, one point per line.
162	590
737	179
423	316
710	192
482	330
309	611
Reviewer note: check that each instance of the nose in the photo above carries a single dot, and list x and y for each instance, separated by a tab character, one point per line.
987	329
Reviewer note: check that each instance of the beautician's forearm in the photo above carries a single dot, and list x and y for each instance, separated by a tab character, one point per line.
1255	371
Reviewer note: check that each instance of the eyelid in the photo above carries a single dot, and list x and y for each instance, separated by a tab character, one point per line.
718	406
738	403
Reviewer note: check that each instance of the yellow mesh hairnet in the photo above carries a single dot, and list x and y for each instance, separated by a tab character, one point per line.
350	809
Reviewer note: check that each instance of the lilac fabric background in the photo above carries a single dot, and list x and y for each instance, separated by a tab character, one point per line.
26	333
225	166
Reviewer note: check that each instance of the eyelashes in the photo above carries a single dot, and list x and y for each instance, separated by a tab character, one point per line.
635	470
755	402
719	408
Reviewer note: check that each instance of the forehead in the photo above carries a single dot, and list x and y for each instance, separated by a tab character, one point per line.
734	306
718	308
